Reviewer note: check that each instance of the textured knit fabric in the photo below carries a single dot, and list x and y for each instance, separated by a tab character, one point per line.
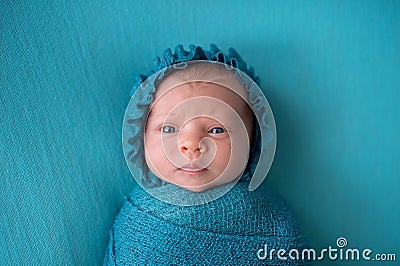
226	231
62	99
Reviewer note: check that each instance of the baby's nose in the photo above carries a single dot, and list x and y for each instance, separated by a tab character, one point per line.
190	149
190	146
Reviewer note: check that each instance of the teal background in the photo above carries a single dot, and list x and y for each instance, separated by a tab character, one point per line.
330	70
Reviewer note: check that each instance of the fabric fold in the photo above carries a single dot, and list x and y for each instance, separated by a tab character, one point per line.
151	232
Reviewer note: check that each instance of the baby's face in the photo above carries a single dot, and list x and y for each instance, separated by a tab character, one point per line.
189	135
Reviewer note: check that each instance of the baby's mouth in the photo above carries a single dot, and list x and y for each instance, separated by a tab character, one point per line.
192	169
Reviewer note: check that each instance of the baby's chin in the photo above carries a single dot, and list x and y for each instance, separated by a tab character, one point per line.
194	187
199	187
198	182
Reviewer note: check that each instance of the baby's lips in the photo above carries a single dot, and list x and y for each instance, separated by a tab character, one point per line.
192	167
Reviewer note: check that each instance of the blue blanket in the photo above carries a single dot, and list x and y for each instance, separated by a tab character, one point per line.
228	231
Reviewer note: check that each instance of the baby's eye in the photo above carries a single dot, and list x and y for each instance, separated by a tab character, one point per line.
216	130
168	129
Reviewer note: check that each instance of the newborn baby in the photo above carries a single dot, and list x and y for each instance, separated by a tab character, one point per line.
208	138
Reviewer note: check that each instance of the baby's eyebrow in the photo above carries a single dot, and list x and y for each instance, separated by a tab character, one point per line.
182	117
160	117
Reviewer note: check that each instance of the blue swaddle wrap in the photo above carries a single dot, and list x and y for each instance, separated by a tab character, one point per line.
227	231
211	230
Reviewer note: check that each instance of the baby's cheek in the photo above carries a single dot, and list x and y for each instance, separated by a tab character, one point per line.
223	153
152	151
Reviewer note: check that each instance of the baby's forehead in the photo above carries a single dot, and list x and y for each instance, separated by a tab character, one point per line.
198	92
201	75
